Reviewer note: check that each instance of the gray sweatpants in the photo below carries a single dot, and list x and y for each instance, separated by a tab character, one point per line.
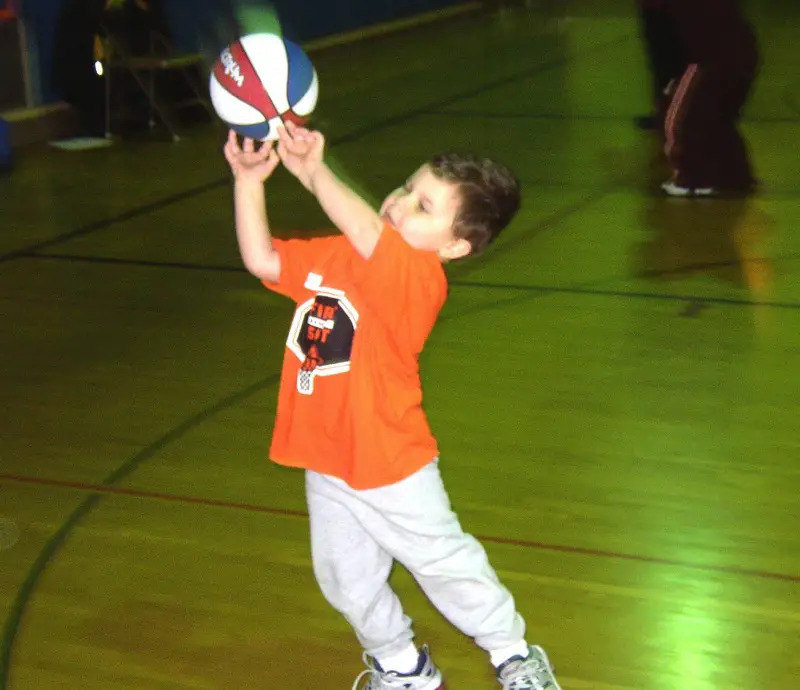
357	535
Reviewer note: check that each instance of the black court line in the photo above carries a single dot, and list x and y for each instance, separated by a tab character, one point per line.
516	287
142	263
106	222
56	541
481	89
335	141
102	489
458	269
598	292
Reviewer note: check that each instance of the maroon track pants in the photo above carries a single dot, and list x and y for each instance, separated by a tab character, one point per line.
702	138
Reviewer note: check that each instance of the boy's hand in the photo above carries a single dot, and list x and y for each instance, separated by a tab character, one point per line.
247	163
301	151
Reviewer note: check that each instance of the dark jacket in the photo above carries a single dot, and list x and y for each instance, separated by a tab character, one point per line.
714	32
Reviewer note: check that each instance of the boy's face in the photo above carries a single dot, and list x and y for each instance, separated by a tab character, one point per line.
424	211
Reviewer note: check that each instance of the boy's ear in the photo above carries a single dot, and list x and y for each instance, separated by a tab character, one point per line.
457	248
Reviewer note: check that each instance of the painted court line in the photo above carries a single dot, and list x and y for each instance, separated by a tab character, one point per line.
101	489
90	500
358	133
455	281
631	294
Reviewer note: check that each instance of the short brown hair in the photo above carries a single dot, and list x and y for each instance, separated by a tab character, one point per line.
490	196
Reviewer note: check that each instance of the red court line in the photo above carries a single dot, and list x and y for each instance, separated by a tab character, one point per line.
544	546
174	498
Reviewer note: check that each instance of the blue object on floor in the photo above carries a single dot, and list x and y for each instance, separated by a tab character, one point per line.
5	146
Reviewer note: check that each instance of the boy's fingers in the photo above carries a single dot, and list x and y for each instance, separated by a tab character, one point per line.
284	136
231	151
299	134
271	162
296	132
233	142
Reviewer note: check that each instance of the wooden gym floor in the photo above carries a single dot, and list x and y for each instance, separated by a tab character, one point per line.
614	386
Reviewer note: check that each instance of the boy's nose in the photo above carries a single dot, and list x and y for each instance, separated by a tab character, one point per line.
404	202
395	209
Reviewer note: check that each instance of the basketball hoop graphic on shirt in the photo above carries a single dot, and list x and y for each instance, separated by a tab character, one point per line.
305	376
321	335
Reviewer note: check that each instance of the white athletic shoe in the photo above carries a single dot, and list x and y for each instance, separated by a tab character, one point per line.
533	672
425	677
672	189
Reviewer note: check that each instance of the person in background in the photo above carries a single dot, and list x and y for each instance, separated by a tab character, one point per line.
74	74
665	54
702	140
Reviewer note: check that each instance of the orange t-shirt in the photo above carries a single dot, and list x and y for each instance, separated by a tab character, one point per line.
350	399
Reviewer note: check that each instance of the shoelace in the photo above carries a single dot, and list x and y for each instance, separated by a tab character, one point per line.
361	676
370	672
526	670
374	674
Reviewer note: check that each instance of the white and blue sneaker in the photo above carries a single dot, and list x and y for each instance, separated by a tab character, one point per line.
533	672
425	677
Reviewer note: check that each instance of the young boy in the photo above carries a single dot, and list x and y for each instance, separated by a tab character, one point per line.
349	405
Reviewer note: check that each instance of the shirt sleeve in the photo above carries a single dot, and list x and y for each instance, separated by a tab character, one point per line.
404	287
298	258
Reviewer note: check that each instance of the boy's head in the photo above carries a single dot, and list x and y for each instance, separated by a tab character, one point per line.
455	205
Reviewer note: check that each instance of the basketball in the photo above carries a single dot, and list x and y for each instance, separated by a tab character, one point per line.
260	81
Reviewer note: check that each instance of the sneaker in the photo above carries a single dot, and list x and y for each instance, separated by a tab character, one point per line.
533	672
672	189
425	677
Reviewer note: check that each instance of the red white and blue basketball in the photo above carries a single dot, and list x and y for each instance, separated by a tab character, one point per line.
260	81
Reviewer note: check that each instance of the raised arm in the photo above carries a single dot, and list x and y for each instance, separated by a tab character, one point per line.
250	170
301	152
